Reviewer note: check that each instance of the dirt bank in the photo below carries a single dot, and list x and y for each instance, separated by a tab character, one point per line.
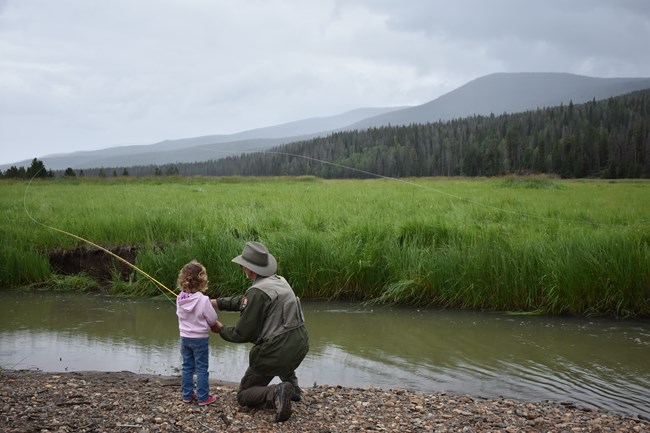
126	402
94	262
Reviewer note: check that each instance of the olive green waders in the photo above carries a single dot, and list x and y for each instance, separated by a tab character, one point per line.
255	391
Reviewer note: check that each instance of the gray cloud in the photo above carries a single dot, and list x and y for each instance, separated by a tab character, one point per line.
78	75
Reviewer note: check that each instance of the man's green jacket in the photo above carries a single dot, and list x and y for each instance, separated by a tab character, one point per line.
277	356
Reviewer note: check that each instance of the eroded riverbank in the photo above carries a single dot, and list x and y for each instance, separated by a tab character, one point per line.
34	401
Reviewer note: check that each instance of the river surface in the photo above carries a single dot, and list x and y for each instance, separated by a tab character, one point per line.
598	363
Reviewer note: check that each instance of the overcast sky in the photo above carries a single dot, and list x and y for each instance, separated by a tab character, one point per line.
84	75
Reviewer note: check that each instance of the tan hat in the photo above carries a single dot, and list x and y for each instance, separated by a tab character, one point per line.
257	258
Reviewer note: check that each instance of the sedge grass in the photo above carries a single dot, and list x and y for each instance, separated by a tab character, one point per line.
524	245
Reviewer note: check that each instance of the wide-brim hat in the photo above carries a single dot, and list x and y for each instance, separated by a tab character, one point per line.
257	258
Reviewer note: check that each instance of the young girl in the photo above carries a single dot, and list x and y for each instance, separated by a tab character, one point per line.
196	317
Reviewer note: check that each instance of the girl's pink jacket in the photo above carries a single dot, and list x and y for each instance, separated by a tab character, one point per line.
195	315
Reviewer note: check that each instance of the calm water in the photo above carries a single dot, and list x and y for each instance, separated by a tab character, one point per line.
597	363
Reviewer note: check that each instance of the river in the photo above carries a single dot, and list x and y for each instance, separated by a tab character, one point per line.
597	363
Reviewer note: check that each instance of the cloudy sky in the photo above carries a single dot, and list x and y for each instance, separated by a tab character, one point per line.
83	75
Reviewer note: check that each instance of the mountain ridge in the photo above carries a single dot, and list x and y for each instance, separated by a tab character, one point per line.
530	90
490	94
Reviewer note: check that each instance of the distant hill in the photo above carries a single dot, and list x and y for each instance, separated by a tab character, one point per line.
205	147
496	93
508	93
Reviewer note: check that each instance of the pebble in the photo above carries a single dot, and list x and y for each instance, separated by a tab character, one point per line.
32	401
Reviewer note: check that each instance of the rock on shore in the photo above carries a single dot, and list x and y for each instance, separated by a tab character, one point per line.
33	401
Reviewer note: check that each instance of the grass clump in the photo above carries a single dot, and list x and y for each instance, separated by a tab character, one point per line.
531	182
70	283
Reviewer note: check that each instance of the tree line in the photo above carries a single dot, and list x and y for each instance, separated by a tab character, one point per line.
598	139
604	139
36	169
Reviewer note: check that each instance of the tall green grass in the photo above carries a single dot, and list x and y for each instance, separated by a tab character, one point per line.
516	244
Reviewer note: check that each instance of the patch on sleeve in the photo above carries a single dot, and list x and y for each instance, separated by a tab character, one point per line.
244	303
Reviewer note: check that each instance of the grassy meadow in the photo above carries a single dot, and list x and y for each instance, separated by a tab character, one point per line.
530	245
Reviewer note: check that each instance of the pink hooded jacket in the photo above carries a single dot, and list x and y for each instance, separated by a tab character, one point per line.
195	315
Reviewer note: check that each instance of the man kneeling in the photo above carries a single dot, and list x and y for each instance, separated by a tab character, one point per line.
272	319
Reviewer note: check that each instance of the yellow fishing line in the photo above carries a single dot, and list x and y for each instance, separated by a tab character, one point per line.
93	244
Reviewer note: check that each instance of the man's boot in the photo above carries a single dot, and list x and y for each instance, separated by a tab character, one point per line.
282	401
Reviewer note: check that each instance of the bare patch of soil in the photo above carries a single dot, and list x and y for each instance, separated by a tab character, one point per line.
94	262
126	402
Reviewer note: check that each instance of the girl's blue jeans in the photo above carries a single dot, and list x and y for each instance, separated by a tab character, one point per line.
195	358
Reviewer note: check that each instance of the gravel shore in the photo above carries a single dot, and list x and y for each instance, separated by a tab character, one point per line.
33	401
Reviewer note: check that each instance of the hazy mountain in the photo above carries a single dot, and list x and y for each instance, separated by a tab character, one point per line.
509	93
496	93
196	153
205	147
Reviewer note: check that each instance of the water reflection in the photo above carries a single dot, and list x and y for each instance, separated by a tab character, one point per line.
601	363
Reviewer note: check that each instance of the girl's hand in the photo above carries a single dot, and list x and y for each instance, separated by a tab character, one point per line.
216	327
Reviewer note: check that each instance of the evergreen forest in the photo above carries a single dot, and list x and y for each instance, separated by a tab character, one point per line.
599	139
605	139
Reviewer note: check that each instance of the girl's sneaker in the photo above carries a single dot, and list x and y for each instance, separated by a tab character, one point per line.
210	399
192	399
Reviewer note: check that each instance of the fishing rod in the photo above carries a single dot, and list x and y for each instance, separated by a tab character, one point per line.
158	284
